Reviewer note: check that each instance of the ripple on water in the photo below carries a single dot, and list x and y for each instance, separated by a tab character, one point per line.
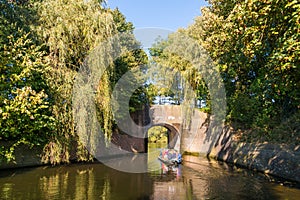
197	178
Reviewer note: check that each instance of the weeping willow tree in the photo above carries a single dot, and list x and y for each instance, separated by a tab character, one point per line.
71	31
44	45
181	65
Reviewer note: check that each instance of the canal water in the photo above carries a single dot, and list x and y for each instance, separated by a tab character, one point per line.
196	178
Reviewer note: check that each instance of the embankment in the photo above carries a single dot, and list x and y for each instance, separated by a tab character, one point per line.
274	159
279	160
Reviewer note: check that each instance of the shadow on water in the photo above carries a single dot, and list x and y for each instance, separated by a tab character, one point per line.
214	181
197	178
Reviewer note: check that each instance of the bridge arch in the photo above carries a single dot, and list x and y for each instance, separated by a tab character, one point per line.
173	133
193	138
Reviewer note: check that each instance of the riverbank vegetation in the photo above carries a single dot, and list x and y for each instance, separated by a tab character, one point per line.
255	46
43	45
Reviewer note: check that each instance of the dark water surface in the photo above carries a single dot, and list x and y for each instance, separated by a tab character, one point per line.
197	178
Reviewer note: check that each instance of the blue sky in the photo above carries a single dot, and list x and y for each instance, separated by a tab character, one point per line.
166	14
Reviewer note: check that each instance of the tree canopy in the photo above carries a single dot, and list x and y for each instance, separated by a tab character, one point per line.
43	46
255	45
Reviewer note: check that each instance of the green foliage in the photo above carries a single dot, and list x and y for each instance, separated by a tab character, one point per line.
245	115
70	40
73	29
256	45
120	22
43	45
131	58
151	91
158	134
173	74
15	15
26	116
25	109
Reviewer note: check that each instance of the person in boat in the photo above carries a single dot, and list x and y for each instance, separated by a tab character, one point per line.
171	156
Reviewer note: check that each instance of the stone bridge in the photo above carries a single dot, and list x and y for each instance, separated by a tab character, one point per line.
192	132
186	131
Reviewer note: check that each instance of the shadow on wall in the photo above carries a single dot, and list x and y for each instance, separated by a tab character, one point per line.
278	160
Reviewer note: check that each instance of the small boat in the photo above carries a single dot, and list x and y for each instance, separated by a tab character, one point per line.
170	157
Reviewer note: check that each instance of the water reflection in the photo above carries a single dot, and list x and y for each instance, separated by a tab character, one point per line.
197	178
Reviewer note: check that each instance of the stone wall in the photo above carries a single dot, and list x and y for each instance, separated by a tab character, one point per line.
25	157
129	143
278	160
